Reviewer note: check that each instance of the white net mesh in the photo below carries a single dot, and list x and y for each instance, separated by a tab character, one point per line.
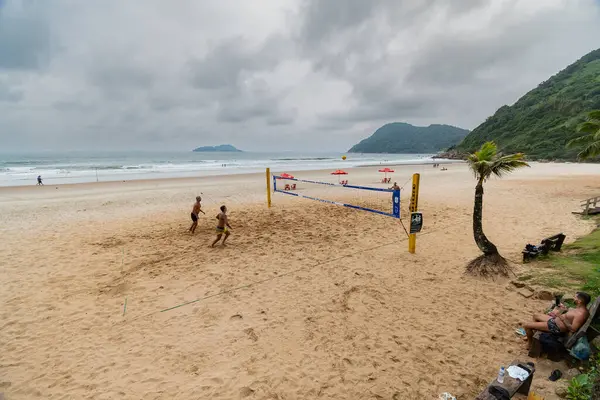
379	199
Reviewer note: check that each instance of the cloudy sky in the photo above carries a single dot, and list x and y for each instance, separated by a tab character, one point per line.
270	74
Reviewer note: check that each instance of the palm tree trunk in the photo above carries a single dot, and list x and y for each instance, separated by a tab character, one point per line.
488	248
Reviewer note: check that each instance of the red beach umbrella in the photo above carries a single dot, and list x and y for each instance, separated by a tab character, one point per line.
339	172
386	170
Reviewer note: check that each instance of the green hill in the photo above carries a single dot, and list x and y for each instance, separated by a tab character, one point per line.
399	137
540	123
224	148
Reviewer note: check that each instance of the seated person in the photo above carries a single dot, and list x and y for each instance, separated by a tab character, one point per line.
561	320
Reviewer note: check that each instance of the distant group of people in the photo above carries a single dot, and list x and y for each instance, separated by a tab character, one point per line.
223	228
443	168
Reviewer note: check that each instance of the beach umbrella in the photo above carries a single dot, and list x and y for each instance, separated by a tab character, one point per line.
285	175
339	172
386	170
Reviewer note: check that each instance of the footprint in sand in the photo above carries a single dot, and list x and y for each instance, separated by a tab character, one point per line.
251	334
235	317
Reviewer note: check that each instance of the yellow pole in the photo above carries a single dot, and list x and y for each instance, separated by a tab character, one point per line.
414	207
269	187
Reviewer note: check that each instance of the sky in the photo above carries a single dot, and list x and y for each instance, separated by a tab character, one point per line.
274	75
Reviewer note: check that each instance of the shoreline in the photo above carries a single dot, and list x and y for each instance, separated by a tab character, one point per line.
204	178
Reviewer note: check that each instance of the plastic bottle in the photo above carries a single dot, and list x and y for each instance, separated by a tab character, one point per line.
501	375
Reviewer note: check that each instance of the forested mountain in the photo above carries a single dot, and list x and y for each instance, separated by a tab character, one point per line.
400	137
540	123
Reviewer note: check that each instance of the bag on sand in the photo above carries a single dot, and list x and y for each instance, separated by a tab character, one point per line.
581	350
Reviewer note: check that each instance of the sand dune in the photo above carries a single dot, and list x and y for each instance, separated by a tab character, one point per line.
309	300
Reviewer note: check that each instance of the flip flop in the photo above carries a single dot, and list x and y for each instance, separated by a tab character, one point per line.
521	331
556	375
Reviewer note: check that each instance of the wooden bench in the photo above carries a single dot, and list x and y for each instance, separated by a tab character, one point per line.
512	385
590	206
553	243
569	341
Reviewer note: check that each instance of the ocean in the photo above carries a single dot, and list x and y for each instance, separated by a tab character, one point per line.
79	167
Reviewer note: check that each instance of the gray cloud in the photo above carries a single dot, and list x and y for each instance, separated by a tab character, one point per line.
301	74
24	36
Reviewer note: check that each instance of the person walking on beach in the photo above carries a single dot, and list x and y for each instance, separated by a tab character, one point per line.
223	226
39	180
195	210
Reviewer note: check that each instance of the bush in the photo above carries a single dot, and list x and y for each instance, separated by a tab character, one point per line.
582	386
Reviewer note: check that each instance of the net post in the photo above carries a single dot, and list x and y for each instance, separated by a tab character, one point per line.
414	206
268	174
396	203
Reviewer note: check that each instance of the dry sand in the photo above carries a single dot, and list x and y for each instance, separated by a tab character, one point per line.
308	301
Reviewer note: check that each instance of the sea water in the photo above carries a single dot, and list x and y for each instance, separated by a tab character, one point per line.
80	167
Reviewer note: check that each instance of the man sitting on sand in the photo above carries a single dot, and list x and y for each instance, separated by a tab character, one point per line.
222	227
561	320
195	210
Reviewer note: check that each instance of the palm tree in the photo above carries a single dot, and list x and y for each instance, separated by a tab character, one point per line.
485	163
591	139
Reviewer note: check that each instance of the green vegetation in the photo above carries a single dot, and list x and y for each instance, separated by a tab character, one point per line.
591	140
542	122
399	137
581	387
485	163
576	268
222	148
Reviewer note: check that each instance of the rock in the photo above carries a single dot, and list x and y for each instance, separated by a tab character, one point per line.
561	389
525	292
517	284
596	342
570	374
543	295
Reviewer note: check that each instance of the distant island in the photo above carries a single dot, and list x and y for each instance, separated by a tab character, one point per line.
400	137
221	148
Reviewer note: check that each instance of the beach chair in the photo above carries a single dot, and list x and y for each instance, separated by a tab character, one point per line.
293	186
287	186
511	385
570	340
553	243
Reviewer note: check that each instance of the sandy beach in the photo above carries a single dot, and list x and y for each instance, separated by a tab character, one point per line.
307	301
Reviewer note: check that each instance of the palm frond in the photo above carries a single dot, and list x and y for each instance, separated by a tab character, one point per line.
592	150
594	115
589	127
580	141
488	151
509	163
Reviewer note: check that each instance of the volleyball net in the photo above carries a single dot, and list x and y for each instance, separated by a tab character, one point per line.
380	201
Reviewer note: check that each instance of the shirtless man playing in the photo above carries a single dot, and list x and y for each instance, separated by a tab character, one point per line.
395	186
223	226
561	320
197	209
